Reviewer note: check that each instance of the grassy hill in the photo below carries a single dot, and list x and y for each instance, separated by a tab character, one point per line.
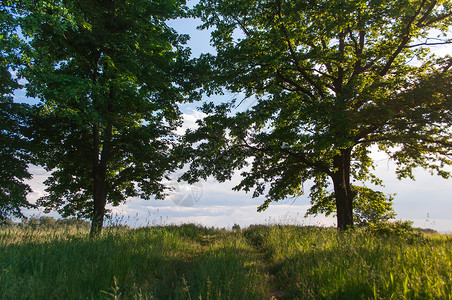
192	262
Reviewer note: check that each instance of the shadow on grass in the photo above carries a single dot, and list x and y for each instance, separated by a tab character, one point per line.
148	263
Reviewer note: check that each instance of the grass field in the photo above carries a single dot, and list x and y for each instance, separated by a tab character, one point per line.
192	262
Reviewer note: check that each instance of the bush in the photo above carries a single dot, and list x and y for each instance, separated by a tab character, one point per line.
399	227
371	207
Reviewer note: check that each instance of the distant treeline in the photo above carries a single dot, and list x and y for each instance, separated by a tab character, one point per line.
46	222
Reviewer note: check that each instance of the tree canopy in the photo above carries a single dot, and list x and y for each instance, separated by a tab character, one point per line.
333	79
109	76
14	155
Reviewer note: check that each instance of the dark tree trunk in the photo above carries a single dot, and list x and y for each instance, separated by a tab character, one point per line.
100	200
99	185
342	190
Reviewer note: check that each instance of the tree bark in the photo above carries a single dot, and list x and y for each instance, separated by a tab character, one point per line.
100	200
100	197
342	189
99	186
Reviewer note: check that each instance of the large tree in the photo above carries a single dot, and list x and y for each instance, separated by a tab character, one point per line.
14	151
109	76
332	79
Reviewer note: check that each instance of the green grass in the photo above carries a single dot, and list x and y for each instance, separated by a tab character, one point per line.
191	262
316	263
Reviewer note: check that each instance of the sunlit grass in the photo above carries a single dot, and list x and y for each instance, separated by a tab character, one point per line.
192	262
314	263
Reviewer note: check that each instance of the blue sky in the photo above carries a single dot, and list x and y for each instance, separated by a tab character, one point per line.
426	201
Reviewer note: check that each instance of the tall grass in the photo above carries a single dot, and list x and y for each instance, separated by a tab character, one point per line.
192	262
315	263
185	262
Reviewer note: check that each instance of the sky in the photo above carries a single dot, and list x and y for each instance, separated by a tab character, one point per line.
427	201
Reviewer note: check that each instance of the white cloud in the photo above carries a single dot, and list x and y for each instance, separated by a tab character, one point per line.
189	121
36	182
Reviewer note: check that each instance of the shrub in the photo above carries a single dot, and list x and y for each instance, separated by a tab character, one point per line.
399	227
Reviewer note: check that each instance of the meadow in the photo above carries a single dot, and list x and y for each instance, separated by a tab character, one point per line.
193	262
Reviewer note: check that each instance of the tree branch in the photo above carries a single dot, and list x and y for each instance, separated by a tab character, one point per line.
294	84
359	47
424	17
428	44
440	18
404	41
245	31
300	157
295	58
327	65
340	71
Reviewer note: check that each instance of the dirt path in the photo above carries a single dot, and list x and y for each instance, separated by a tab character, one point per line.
267	264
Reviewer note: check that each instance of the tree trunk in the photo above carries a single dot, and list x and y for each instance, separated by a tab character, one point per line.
342	190
99	185
100	200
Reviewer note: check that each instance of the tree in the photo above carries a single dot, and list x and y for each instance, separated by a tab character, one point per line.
14	152
369	207
109	76
332	80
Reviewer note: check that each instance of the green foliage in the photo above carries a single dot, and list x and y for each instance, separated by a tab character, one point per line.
109	76
372	207
369	206
236	227
14	151
192	262
14	159
331	79
401	228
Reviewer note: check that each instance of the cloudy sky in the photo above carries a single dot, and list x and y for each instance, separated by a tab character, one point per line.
426	201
